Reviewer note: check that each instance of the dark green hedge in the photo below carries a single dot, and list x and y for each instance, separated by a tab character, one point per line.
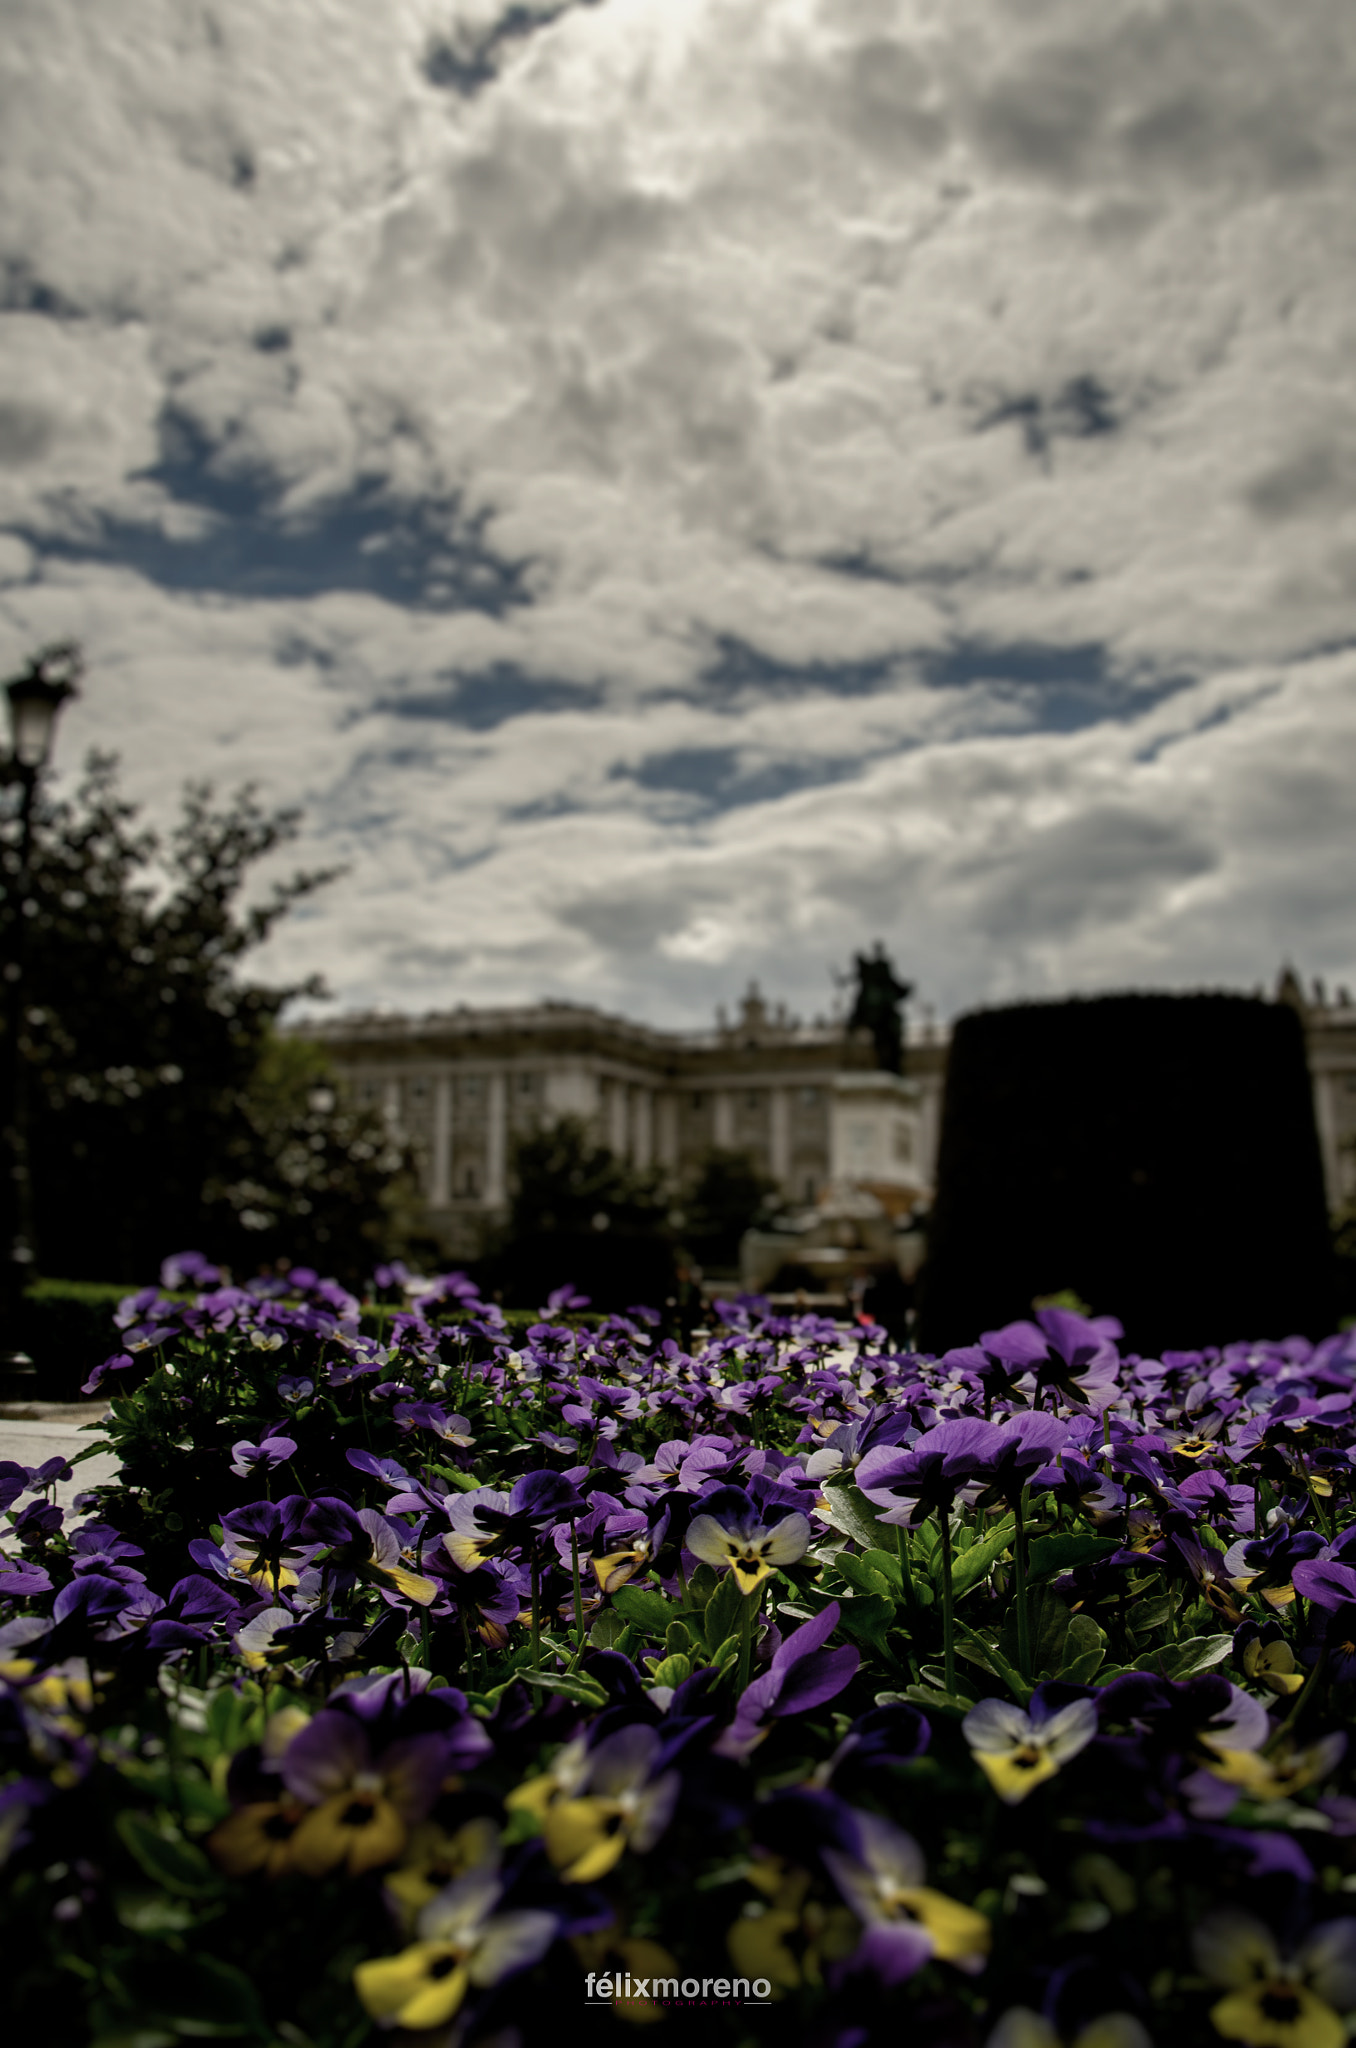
1157	1154
66	1327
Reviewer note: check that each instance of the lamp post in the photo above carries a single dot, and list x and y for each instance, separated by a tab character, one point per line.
35	698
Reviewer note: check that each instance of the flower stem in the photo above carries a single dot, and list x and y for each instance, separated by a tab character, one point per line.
948	1606
905	1570
1301	1701
746	1617
578	1596
536	1610
1019	1559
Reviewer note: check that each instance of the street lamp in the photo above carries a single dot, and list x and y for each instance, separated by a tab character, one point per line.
35	698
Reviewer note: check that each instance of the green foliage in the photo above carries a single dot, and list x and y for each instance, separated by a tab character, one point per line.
66	1327
1074	1140
158	1105
305	1168
133	1915
579	1214
562	1180
727	1195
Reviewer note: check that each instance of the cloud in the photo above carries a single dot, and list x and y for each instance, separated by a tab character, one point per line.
1103	866
676	491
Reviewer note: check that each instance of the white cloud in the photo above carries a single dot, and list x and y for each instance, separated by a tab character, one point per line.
752	366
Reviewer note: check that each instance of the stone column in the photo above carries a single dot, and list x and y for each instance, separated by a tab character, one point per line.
642	1148
617	1119
1324	1085
666	1130
496	1142
440	1192
723	1128
779	1135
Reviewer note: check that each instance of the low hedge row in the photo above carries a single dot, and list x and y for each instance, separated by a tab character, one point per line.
67	1328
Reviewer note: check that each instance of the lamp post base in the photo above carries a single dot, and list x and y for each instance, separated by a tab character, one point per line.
18	1376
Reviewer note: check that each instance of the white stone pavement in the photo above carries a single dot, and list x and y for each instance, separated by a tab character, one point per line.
58	1433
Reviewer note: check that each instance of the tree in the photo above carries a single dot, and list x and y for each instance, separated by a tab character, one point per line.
563	1180
579	1213
307	1174
728	1195
142	1043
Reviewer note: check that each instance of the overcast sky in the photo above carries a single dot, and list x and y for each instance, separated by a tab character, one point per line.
679	489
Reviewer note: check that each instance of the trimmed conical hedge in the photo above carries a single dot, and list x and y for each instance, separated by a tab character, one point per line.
1154	1153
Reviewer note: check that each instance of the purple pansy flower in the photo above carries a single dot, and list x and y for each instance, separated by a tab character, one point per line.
931	1472
247	1459
803	1674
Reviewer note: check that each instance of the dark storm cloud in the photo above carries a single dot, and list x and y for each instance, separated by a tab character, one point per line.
1188	93
1099	867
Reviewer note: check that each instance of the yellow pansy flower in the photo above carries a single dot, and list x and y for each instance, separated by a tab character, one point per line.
462	1941
1018	1751
1277	2001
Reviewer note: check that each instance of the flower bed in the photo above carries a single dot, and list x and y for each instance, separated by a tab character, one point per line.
470	1688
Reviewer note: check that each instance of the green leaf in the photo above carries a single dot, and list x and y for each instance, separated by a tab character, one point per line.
608	1630
933	1700
701	1585
153	1912
1049	1619
465	1482
935	1674
868	1617
865	1577
1084	1650
98	1449
650	1611
671	1670
1185	1659
172	1862
1147	1616
855	1515
201	1997
886	1562
979	1560
678	1640
572	1684
135	2037
726	1654
980	1650
724	1611
1051	1554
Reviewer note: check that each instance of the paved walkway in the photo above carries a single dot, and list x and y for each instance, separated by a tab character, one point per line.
37	1431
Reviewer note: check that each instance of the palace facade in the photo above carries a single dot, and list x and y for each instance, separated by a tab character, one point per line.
806	1102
